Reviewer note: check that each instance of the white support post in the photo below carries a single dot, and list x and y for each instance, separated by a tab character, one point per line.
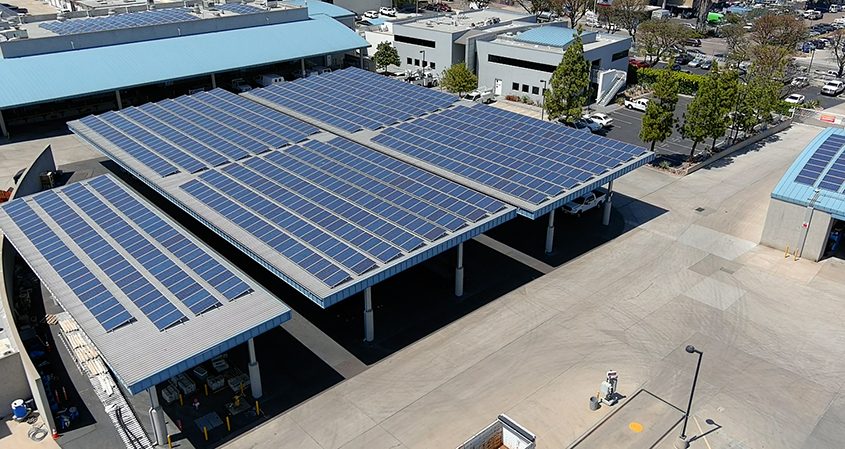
550	233
157	418
302	66
605	219
459	272
254	373
119	101
369	331
213	81
3	126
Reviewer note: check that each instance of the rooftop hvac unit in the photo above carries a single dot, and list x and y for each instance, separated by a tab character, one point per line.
61	17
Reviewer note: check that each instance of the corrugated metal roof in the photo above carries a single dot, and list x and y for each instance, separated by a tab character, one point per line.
41	78
553	36
832	202
163	353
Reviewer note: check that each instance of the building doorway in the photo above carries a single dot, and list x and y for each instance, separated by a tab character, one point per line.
497	88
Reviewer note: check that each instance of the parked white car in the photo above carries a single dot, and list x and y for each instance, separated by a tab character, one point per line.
640	104
834	87
387	11
601	118
794	99
800	81
593	125
371	14
585	202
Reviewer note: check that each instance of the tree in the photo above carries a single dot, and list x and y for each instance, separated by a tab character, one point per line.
658	37
567	92
659	117
837	47
628	15
385	55
574	10
458	79
700	117
703	7
736	39
533	6
780	30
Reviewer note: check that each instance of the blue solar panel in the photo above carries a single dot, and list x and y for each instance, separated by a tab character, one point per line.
120	21
820	160
239	8
518	155
194	133
345	99
125	276
338	208
84	284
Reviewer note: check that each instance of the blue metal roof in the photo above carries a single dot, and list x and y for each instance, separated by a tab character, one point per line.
791	191
47	77
553	36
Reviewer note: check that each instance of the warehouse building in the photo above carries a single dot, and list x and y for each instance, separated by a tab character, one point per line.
807	210
110	60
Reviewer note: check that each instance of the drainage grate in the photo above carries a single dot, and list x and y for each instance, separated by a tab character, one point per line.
700	209
727	270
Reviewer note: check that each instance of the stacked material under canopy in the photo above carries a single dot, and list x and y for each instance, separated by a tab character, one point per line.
127	274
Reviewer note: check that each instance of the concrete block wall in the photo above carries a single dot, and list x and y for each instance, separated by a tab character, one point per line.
784	227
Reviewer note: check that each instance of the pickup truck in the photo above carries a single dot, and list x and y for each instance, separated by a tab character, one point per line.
240	85
585	202
480	96
639	104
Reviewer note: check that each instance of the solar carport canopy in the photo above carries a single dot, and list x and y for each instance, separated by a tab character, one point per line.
328	215
128	274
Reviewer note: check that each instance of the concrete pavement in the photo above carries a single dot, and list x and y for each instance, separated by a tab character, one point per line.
772	368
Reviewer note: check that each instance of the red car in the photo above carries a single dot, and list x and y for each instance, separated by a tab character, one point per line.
637	63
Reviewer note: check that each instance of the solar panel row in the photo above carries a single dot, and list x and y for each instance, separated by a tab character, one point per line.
82	282
193	133
820	160
239	8
120	21
345	99
523	157
338	208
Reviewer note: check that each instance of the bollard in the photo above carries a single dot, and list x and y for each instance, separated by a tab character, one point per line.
796	255
179	424
242	388
58	401
257	410
786	254
205	432
181	401
169	442
228	425
65	392
206	389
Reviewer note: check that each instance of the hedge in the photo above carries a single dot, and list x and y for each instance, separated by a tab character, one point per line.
688	81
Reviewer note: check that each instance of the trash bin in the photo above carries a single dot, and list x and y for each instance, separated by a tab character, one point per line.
594	403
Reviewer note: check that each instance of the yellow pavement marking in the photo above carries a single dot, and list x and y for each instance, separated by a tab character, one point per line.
636	427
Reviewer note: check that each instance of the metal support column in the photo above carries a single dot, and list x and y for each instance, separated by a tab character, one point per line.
157	418
361	57
550	233
119	101
213	81
459	272
3	126
369	331
302	66
254	373
605	219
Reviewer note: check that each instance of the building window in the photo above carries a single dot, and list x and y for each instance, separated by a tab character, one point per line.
414	41
535	90
620	55
416	62
596	63
520	63
409	61
515	86
431	64
525	88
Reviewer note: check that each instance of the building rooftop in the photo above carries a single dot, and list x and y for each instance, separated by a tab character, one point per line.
468	20
554	38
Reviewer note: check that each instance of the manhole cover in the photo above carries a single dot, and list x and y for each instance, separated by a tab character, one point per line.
699	209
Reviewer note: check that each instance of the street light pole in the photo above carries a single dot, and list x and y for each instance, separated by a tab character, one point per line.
682	443
543	104
812	55
423	60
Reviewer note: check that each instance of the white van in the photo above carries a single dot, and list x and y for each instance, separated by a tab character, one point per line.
835	8
268	79
661	14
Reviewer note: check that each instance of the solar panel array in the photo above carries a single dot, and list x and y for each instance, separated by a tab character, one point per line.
338	209
120	21
196	132
133	250
240	8
817	163
521	156
351	99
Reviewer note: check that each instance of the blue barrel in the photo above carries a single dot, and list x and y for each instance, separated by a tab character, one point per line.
19	410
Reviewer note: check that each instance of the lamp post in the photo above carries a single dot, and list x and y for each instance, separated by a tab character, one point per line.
810	67
543	104
682	442
423	59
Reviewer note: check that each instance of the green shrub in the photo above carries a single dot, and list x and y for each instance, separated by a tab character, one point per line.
688	82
